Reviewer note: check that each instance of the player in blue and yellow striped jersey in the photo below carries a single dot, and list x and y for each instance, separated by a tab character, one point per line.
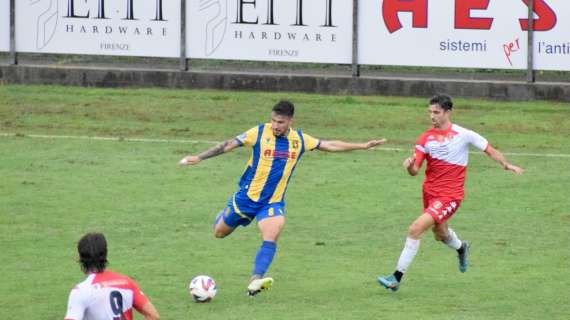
276	150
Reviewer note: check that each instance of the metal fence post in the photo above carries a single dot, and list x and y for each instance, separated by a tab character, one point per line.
355	65
530	40
183	60
13	53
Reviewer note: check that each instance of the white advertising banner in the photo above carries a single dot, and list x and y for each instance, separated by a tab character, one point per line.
103	27
4	25
270	30
552	35
443	33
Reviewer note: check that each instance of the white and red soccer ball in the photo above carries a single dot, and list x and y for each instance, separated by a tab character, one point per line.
203	288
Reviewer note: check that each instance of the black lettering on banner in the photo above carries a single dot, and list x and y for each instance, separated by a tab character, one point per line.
101	10
239	18
130	11
270	18
299	15
101	13
71	11
270	15
159	16
328	16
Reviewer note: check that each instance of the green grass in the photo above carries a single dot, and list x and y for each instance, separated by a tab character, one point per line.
355	206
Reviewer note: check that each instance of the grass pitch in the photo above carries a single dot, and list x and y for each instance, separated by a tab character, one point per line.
347	214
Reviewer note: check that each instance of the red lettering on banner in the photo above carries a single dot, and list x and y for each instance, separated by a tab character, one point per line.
391	8
546	17
511	47
463	19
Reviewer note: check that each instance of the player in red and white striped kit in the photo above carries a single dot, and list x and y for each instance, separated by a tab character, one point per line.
445	148
104	295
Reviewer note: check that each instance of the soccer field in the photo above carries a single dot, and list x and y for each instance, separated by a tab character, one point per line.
347	213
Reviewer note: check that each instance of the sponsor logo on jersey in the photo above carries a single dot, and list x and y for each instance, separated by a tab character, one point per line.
437	204
284	155
295	144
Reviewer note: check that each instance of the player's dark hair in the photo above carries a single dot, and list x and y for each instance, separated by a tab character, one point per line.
442	100
92	249
284	108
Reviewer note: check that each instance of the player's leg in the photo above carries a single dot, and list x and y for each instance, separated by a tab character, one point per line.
221	229
411	247
270	226
270	230
229	219
442	232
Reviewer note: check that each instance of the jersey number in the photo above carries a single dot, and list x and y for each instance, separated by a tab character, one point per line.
116	300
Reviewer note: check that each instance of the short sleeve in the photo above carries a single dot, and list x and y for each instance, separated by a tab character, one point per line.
311	143
420	157
420	150
139	299
421	143
249	137
477	140
75	306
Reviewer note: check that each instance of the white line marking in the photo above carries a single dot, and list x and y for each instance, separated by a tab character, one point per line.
183	141
95	138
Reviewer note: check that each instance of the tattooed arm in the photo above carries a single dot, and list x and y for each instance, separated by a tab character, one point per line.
221	148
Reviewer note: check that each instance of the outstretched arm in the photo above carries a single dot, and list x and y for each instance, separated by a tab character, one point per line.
149	312
336	145
221	148
500	159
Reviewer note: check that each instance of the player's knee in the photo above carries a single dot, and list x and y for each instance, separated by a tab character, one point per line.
439	236
415	231
270	237
219	233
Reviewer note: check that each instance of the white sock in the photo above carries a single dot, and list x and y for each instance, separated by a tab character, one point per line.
452	240
408	253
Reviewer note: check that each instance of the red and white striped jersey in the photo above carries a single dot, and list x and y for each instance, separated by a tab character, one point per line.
105	296
447	154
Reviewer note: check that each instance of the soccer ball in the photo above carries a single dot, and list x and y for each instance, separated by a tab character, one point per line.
203	288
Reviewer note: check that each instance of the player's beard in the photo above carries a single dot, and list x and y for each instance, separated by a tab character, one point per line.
280	134
435	123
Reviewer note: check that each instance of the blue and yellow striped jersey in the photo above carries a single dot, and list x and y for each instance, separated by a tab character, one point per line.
272	162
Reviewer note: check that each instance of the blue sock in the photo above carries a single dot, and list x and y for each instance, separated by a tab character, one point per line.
264	257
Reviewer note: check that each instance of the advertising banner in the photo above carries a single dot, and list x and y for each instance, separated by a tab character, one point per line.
552	36
270	30
103	27
444	33
4	25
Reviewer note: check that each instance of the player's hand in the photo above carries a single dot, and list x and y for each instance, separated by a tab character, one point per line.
513	168
374	143
409	162
189	160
